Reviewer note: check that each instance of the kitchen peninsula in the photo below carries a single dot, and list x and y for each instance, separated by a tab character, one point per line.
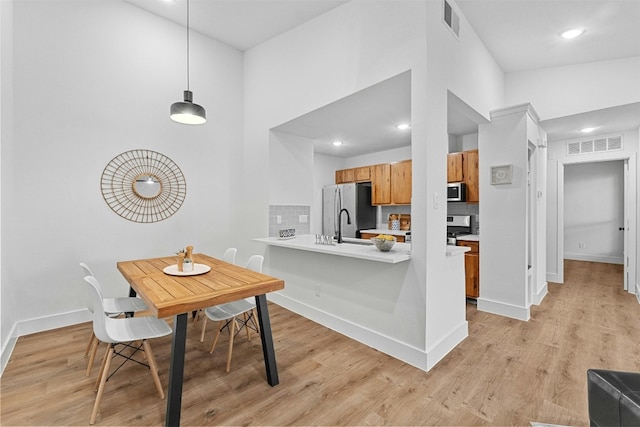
357	248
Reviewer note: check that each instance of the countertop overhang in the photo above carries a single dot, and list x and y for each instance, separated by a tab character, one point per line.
400	252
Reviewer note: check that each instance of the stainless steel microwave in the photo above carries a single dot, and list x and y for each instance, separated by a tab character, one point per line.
456	192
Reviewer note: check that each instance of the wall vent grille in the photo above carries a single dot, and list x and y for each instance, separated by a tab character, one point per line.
599	145
451	19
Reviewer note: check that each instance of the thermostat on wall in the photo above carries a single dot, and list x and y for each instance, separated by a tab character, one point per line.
501	174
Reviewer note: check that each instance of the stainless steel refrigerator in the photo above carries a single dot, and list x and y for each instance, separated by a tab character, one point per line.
356	199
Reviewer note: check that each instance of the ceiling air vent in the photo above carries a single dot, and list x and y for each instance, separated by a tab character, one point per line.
599	145
573	148
586	146
614	143
451	19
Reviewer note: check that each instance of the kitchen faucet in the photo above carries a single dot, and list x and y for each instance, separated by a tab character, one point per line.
340	223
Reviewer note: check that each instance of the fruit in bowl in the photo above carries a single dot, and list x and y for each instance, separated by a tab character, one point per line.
384	242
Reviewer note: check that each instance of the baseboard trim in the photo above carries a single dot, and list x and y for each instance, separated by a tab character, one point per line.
594	258
7	349
414	356
504	309
46	323
638	292
553	278
41	324
538	297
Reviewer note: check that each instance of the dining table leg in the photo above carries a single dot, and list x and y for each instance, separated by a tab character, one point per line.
176	370
267	340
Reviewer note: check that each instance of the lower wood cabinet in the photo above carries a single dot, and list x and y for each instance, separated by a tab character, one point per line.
472	268
399	239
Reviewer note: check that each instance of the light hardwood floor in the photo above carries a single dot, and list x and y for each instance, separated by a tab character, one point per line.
507	372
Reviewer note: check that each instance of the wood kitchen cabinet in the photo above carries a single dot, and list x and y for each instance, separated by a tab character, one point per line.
361	174
391	183
399	239
463	167
471	172
345	176
401	183
381	184
471	268
455	172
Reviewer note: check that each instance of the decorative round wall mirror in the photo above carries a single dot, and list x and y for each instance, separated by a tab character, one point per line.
143	186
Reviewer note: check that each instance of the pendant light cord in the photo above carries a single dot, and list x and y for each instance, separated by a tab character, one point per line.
187	44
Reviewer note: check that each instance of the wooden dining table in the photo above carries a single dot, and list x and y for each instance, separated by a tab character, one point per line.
178	295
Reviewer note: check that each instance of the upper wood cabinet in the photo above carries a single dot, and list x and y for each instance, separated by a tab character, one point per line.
454	167
344	176
381	184
471	171
391	183
401	183
361	174
463	167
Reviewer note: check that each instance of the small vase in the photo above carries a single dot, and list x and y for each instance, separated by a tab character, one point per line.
187	267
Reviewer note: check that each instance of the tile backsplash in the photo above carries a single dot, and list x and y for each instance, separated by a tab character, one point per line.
290	216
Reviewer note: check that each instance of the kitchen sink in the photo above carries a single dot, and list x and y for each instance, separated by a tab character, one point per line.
354	241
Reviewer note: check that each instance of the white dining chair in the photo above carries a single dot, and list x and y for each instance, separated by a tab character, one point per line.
230	257
227	315
123	330
113	307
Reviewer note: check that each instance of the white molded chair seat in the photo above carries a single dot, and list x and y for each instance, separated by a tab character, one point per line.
226	311
116	331
227	314
117	305
230	257
113	307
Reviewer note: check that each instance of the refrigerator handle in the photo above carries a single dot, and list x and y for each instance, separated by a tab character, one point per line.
337	203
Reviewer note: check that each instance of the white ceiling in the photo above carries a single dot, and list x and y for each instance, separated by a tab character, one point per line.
520	34
525	34
242	24
365	121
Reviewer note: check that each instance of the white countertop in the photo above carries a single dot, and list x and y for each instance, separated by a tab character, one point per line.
469	237
399	253
386	231
457	250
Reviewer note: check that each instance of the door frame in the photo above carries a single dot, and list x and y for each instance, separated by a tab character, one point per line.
630	256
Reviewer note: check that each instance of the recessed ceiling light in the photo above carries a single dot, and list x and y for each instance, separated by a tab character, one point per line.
403	126
337	143
572	33
587	130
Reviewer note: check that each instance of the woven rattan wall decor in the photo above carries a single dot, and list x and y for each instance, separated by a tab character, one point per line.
143	186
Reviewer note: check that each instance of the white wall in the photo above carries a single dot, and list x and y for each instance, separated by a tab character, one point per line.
563	91
367	42
290	161
386	156
593	211
465	68
504	215
96	79
7	306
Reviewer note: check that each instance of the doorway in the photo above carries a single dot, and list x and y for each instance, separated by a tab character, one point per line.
587	232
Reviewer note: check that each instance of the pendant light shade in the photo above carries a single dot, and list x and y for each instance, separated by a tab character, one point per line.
187	112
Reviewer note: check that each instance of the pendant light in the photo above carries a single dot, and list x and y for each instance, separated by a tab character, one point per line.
187	112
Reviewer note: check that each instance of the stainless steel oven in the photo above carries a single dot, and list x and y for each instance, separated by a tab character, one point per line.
456	192
457	225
